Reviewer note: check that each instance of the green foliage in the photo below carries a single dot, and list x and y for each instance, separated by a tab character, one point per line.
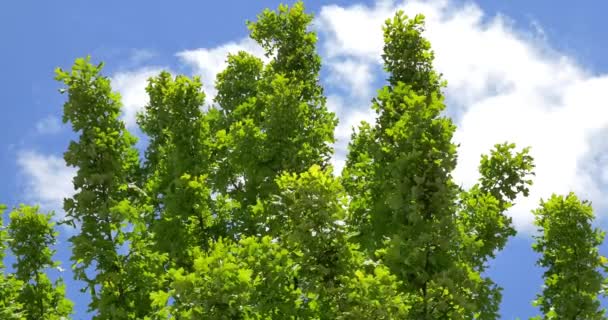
308	217
249	280
10	306
503	173
279	121
239	83
234	211
307	270
405	208
32	235
569	245
177	161
411	193
407	56
283	33
103	204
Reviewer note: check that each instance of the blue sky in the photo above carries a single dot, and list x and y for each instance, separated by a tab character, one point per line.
532	72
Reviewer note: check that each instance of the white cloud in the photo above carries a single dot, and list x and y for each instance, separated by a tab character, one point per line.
353	31
139	56
350	113
349	74
132	88
48	125
209	62
48	180
503	84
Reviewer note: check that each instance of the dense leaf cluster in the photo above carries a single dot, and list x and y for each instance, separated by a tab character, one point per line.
234	211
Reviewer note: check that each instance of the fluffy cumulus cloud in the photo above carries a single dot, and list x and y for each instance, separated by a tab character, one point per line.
132	88
351	75
350	112
47	180
504	84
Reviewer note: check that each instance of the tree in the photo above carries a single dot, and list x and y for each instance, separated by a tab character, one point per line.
481	217
10	306
177	165
305	271
104	205
308	217
32	235
234	211
408	212
271	141
273	118
568	244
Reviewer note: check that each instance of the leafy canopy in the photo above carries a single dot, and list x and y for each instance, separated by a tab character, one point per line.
233	210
